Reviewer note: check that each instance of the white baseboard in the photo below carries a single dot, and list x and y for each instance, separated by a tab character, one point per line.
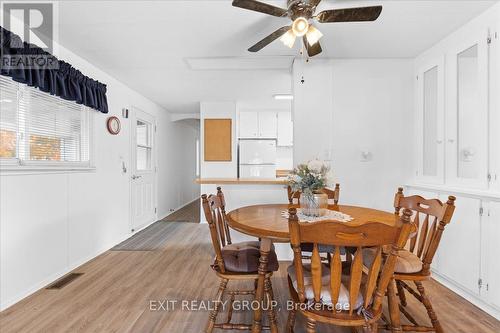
467	295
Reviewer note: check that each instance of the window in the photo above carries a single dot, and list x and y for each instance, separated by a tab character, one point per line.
144	148
41	130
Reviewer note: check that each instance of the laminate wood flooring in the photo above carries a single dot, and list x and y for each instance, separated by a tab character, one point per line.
121	291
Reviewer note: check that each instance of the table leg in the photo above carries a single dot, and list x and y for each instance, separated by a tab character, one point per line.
394	307
265	248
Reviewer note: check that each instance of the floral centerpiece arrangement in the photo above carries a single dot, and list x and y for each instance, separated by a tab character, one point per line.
310	179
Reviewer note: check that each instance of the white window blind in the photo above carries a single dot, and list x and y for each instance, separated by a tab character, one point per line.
38	129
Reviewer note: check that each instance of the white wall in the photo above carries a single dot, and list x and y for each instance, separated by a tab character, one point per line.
52	222
347	106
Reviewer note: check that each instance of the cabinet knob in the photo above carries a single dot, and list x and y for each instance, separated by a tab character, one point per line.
439	142
451	140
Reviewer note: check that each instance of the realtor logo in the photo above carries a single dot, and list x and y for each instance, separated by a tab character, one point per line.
32	21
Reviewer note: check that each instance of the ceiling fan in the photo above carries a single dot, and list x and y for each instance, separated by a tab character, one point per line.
301	12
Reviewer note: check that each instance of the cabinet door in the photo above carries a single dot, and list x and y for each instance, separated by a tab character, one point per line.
267	125
249	124
459	251
491	253
430	122
494	109
467	115
285	129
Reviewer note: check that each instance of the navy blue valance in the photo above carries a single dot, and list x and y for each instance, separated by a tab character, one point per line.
29	64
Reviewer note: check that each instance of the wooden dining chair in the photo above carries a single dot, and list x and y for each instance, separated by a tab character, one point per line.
294	196
234	262
345	296
333	194
430	217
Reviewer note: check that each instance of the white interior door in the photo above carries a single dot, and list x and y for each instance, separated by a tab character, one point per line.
143	167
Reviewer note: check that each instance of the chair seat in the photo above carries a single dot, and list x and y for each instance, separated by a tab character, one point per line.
406	263
244	257
343	301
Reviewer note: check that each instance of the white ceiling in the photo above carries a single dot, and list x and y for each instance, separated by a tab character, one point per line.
150	44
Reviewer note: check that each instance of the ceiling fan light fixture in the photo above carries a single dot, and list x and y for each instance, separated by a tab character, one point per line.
288	38
300	26
313	35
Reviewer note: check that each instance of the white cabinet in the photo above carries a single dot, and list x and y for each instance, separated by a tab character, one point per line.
467	114
285	129
262	125
490	286
249	125
459	251
268	123
457	145
452	115
430	121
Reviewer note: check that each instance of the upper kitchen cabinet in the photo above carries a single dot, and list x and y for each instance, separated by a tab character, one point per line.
430	121
268	125
249	124
452	114
467	115
262	125
285	129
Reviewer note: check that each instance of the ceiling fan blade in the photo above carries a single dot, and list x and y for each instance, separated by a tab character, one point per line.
260	7
350	14
269	39
313	50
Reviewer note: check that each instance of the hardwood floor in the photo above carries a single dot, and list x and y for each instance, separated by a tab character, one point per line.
115	291
188	213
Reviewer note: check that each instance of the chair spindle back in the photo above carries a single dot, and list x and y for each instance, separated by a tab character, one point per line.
214	209
338	234
332	195
430	217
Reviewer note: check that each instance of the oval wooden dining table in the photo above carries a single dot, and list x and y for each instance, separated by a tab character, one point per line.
267	223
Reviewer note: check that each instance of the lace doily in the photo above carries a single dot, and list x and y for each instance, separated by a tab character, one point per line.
330	215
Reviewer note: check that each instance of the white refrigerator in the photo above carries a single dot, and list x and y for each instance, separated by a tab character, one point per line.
257	158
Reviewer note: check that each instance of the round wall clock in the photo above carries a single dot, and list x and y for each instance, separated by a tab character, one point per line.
113	124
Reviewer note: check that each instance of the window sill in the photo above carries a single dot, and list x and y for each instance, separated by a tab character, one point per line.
7	170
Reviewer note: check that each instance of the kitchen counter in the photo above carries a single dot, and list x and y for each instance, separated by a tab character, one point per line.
242	181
